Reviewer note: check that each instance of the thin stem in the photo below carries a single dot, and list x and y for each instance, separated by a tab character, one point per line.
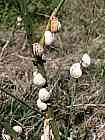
58	7
72	113
54	13
41	14
54	127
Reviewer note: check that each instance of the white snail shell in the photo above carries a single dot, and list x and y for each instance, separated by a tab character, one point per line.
19	19
44	95
6	137
49	37
75	70
38	79
17	129
86	60
18	24
41	105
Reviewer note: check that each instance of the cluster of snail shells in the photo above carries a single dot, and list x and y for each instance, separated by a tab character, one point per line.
6	137
49	35
75	69
19	21
38	49
17	129
43	94
38	79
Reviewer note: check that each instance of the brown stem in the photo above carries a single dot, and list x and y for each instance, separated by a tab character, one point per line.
40	65
54	127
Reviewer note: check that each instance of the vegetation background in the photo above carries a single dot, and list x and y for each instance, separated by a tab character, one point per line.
79	117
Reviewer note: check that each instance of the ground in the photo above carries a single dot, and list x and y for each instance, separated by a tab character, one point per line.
81	116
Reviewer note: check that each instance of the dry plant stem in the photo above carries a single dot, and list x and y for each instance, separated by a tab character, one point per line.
89	105
22	102
73	103
53	123
46	129
41	14
40	65
7	42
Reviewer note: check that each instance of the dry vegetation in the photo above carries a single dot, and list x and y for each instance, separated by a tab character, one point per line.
80	117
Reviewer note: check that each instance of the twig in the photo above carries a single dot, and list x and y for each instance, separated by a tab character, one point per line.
8	41
93	135
19	100
87	105
54	85
46	129
23	57
41	14
6	44
25	43
54	127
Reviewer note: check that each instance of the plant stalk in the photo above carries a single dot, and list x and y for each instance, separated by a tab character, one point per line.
40	65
